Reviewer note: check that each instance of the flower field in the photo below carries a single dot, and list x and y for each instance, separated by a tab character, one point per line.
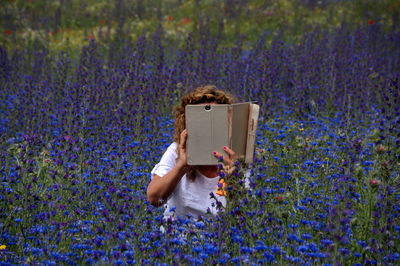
80	134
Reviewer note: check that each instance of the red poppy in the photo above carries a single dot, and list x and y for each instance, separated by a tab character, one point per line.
183	21
8	32
170	18
371	22
186	20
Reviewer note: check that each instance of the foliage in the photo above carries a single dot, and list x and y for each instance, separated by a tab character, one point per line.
70	24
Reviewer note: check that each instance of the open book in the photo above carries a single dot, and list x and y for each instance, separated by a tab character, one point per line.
213	126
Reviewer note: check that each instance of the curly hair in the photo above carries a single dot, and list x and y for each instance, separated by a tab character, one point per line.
205	94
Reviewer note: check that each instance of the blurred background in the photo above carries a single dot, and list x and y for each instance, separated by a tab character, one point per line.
70	24
115	56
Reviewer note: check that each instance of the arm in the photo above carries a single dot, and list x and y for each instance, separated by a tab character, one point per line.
160	188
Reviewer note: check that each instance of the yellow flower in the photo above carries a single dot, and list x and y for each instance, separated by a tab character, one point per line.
221	188
2	247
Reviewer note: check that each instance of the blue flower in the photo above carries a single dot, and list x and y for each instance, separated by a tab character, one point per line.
302	248
368	163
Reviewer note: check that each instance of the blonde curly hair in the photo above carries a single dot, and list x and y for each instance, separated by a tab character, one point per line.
205	94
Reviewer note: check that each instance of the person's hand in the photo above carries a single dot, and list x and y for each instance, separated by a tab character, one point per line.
229	161
182	157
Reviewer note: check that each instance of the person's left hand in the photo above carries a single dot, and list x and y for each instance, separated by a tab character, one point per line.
229	161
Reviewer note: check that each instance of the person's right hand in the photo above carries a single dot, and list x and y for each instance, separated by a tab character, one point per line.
182	157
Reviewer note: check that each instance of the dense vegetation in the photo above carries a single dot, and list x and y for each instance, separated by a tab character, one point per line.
71	24
80	131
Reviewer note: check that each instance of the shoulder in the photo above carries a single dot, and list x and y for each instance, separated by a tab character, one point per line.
167	161
173	147
172	150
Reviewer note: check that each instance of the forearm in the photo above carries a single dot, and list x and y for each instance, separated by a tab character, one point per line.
160	188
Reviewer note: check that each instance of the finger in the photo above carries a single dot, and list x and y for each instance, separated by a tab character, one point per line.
230	152
183	138
224	158
229	169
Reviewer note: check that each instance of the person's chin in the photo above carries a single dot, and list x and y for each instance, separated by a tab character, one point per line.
208	165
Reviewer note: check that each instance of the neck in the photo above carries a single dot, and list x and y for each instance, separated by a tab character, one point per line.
209	171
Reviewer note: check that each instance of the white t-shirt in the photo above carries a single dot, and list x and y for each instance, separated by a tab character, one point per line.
189	197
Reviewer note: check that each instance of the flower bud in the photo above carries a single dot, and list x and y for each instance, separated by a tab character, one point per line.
279	198
380	148
374	182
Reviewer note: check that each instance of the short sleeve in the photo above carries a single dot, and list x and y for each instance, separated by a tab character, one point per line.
167	162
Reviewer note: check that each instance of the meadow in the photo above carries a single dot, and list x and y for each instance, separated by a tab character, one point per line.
80	131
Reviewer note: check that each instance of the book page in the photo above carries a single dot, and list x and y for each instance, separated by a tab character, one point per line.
254	111
239	128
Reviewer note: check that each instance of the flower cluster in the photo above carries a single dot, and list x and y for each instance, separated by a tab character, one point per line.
81	134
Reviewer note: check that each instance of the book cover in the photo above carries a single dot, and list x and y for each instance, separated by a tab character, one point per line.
213	126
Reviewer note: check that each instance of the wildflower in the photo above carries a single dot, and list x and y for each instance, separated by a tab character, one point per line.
3	247
344	251
221	187
8	32
306	236
326	242
303	248
183	21
368	163
199	224
357	254
170	18
279	198
380	148
260	151
374	182
371	22
395	256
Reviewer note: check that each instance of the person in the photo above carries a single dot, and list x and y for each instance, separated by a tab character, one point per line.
185	190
